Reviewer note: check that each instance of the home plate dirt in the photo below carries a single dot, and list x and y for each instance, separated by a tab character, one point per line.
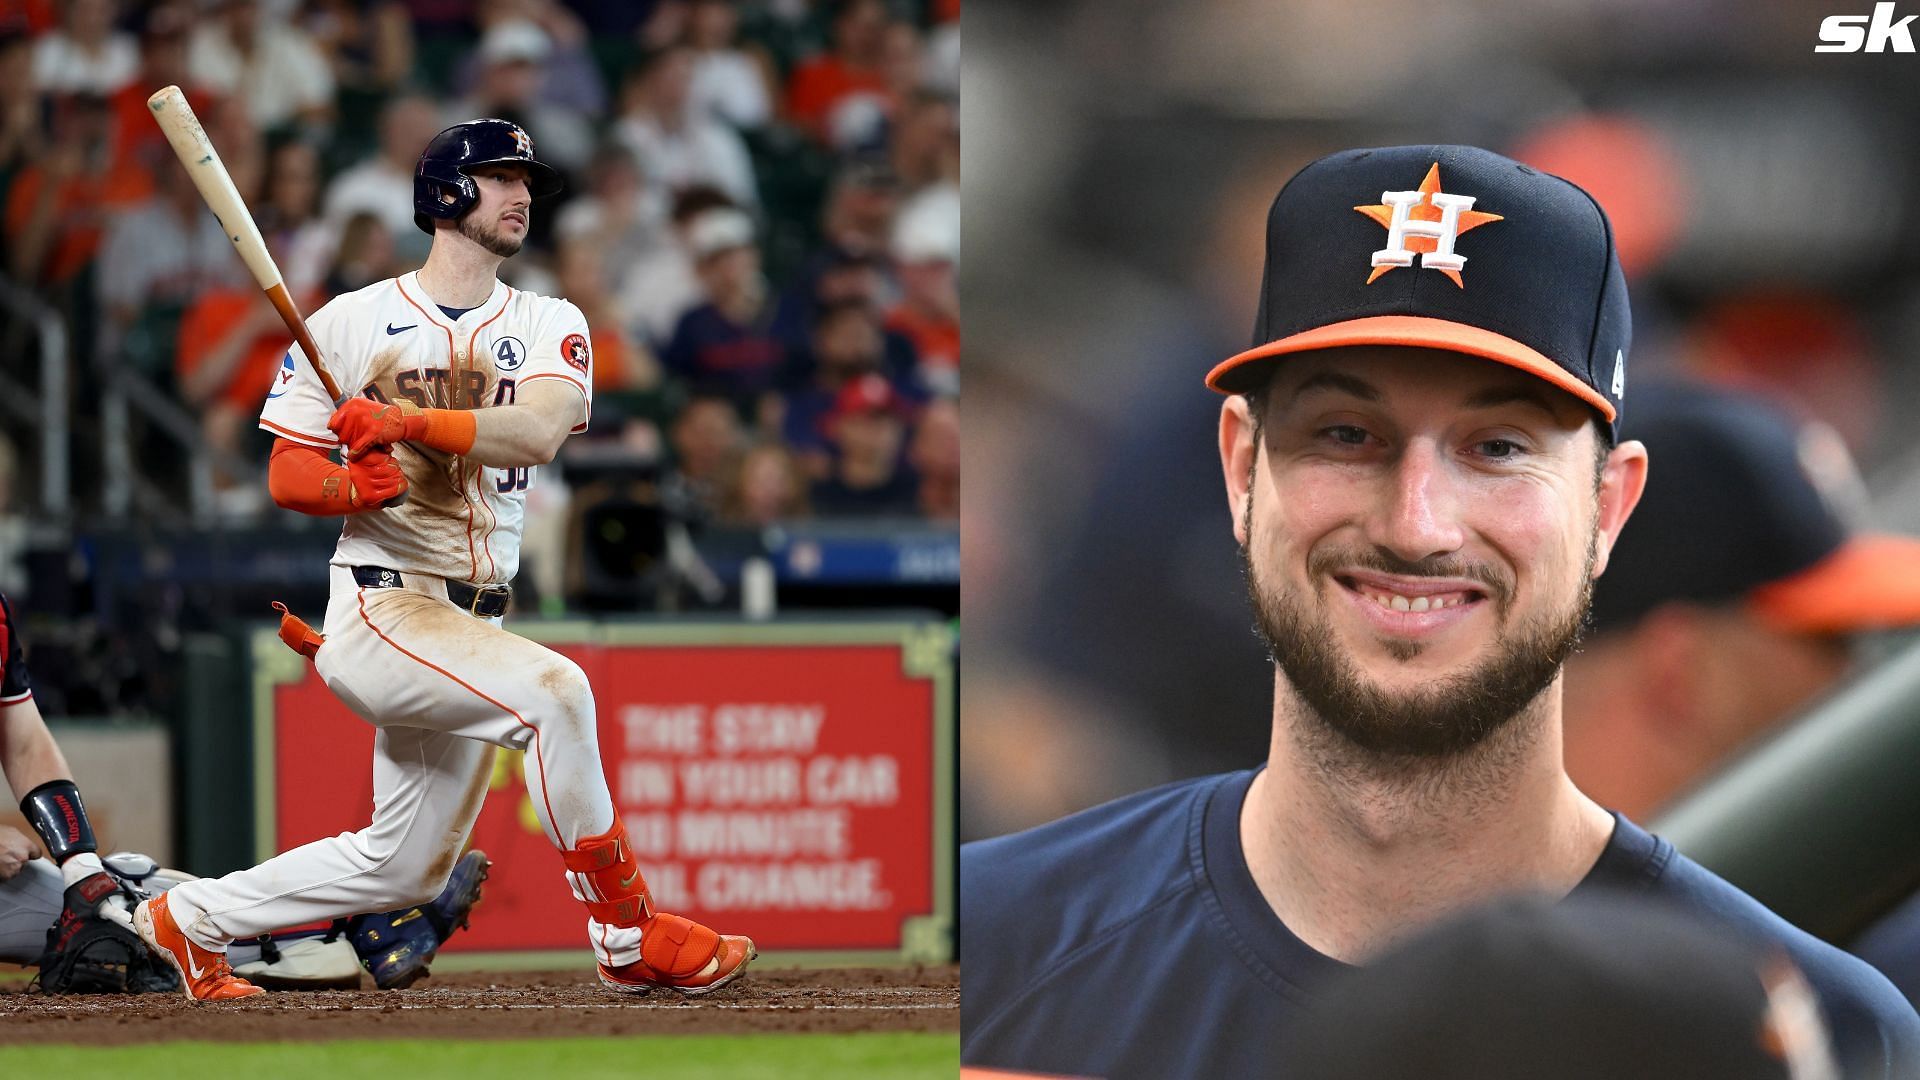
506	1005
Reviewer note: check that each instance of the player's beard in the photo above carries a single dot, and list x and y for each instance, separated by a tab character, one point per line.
1454	714
489	237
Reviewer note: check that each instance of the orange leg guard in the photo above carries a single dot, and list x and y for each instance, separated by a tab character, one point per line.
669	944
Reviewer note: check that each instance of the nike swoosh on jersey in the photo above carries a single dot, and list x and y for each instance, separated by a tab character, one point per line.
392	329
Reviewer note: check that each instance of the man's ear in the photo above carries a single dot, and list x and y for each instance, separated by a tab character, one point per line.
1237	452
1671	647
1623	478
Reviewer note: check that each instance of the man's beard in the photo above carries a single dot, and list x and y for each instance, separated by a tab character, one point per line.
1456	713
488	237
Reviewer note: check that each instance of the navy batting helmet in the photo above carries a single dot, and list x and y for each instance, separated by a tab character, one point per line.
444	164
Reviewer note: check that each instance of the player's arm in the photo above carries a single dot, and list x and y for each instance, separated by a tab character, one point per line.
528	432
51	804
302	478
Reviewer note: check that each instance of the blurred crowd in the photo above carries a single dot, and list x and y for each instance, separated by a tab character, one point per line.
761	221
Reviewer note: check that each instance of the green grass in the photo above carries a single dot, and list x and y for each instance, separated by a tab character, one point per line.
655	1057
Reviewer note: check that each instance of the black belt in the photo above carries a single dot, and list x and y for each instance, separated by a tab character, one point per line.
486	602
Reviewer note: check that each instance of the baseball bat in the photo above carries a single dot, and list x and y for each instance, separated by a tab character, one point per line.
202	161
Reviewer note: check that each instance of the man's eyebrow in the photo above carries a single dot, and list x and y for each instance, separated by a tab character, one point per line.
1509	395
1336	380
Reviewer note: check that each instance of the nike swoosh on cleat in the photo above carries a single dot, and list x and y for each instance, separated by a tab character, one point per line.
193	969
392	329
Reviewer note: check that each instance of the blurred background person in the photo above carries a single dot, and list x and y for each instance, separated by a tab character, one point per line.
850	77
846	345
256	54
767	488
681	144
368	46
88	54
1737	596
513	58
659	285
731	81
867	473
621	362
725	345
620	211
707	440
934	455
365	254
289	214
926	257
381	184
569	78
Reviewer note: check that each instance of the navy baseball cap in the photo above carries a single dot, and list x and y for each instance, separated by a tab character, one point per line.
1445	247
1744	505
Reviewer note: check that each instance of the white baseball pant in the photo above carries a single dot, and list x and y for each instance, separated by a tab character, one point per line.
444	688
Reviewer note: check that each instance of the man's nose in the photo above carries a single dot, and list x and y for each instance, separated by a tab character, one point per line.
1415	516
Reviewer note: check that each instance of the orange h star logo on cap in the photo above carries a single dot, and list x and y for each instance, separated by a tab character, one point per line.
1425	223
521	143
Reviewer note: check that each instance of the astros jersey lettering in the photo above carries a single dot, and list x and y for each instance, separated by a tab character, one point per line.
389	342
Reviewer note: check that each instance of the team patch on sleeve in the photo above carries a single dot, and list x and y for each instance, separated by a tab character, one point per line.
285	377
576	351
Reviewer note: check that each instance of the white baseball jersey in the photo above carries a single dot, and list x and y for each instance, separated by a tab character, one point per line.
389	341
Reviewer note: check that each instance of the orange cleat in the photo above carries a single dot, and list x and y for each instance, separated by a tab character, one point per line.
681	955
203	973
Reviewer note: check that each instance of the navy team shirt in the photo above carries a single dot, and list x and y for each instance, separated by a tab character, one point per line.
1130	940
14	687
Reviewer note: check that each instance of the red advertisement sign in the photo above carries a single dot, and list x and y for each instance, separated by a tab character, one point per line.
783	782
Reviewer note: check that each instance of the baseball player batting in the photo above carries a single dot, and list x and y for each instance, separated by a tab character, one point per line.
1421	462
458	389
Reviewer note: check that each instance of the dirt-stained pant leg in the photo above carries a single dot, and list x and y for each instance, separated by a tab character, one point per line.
444	687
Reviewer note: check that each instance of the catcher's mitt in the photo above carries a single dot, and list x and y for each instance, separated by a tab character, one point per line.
89	954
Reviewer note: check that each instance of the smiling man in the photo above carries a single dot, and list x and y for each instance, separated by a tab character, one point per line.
1422	468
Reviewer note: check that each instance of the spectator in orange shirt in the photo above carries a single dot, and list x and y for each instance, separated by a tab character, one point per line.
20	137
231	354
58	205
139	146
620	362
852	73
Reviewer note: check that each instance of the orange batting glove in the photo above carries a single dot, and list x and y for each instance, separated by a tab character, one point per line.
362	424
374	479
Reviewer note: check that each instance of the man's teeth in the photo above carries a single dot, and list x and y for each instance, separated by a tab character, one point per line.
1396	602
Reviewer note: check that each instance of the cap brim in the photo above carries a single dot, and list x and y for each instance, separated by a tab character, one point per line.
1872	582
1228	377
